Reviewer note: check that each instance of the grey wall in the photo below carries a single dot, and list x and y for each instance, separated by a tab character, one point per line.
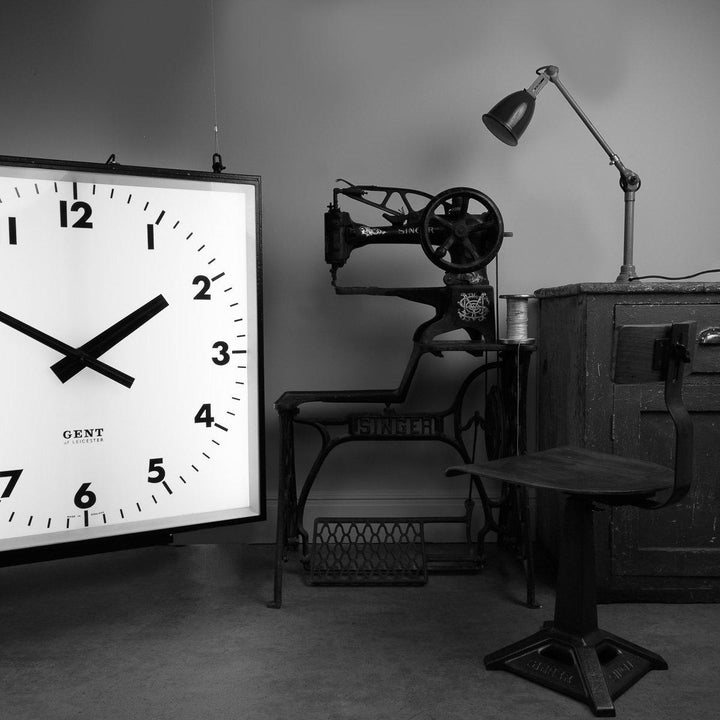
387	92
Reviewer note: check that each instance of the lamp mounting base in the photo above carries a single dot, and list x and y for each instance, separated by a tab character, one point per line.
627	273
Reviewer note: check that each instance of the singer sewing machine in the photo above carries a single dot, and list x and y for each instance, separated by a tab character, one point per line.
460	231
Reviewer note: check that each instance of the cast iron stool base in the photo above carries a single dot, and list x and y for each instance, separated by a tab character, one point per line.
594	669
571	654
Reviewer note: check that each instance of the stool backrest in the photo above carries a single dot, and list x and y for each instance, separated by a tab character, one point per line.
662	353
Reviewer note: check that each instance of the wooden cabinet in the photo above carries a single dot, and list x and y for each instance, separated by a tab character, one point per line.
669	555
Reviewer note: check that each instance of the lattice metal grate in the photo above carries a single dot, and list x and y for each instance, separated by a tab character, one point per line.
368	551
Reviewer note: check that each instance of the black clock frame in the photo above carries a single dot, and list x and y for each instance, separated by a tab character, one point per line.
163	536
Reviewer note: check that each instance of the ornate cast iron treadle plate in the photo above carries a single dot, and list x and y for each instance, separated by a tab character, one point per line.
368	551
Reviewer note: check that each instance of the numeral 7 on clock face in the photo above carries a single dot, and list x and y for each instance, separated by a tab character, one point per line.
13	476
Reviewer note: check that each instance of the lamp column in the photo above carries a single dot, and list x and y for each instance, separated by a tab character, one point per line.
629	186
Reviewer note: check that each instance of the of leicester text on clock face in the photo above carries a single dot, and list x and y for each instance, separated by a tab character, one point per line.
129	364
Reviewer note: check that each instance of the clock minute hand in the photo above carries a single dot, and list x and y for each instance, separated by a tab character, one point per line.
70	366
65	349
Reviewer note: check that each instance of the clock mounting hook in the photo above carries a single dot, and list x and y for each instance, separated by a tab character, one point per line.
217	163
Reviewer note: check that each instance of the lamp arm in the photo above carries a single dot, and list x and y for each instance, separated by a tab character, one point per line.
629	180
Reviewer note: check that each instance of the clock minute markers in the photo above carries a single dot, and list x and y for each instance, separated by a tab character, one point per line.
71	352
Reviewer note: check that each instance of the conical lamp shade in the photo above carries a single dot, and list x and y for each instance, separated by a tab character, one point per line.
509	118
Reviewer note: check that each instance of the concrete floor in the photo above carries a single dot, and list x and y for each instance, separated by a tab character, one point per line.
184	633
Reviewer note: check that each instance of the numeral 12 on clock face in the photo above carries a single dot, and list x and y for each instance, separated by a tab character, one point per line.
130	319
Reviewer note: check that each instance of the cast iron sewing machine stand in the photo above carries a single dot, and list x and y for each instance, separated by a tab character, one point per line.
467	307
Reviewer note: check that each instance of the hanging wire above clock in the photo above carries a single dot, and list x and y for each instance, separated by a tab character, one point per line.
217	164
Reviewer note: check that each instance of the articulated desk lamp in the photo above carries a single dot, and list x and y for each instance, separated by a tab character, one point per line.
509	118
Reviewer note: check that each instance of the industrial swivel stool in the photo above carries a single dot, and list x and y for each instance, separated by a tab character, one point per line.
570	654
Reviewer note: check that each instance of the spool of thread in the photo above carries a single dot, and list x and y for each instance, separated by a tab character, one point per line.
517	319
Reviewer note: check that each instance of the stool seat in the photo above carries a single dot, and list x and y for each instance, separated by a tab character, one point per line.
577	471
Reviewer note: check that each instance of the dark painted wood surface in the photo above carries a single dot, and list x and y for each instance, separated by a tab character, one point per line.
577	471
670	555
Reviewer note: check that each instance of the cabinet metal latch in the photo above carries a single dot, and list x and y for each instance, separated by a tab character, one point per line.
709	336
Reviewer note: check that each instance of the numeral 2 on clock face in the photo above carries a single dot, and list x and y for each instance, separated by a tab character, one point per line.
204	282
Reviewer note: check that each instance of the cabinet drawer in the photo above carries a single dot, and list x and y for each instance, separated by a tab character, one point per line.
707	316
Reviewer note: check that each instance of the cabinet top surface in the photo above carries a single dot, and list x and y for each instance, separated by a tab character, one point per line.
629	288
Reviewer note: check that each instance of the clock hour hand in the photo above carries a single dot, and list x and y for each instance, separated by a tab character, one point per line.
70	366
65	349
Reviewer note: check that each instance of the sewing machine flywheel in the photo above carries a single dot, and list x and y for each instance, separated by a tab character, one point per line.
461	230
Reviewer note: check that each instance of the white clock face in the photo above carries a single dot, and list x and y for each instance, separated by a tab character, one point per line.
129	369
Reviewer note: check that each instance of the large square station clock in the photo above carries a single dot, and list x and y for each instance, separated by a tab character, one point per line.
130	354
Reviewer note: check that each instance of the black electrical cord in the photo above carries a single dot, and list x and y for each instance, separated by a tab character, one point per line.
682	277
